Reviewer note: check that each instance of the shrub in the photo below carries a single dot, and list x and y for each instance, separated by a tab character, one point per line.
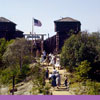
83	69
78	48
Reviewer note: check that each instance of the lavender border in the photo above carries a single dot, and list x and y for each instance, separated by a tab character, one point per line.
35	97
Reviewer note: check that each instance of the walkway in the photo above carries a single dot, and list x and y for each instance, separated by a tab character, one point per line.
62	89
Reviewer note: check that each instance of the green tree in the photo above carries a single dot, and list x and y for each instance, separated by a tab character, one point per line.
3	47
15	56
16	53
2	50
83	69
78	48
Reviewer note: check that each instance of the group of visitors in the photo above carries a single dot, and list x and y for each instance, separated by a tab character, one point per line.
54	77
50	59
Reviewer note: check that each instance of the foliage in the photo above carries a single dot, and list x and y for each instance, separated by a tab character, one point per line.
7	74
87	88
38	77
16	57
81	53
27	60
23	74
78	48
46	90
16	53
3	46
82	70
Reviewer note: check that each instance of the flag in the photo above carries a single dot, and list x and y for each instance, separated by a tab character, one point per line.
37	22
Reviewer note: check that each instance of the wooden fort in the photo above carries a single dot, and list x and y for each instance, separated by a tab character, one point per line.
51	45
8	29
62	28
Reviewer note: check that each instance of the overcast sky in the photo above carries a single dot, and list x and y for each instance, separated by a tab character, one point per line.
22	11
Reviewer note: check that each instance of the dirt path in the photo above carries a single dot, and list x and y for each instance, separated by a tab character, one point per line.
24	88
62	89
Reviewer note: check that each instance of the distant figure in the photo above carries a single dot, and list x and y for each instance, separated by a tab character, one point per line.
53	80
42	59
47	73
54	71
47	59
50	57
66	82
50	75
44	54
57	63
52	60
58	79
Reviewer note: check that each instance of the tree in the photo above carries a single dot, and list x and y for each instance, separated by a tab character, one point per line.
15	56
17	52
2	50
3	47
78	48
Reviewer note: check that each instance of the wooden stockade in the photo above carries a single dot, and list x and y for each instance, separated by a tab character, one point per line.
62	28
8	29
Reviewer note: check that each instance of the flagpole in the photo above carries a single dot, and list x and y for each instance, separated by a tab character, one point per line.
32	28
32	38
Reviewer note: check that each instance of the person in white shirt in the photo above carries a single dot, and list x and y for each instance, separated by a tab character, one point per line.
58	63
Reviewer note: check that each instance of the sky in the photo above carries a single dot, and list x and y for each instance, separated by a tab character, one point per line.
47	11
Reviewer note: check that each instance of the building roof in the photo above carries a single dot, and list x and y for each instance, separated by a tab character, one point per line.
19	30
67	19
2	19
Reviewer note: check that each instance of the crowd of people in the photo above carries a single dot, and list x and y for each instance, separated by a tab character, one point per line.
50	59
54	76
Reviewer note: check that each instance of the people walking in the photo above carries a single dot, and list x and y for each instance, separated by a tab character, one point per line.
50	57
47	60
53	78
47	73
41	59
58	80
54	70
52	60
66	82
58	63
44	54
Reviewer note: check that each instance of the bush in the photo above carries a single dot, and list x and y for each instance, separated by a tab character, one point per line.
38	77
78	48
27	60
22	75
25	69
82	70
7	74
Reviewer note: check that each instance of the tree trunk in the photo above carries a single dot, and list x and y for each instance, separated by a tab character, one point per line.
13	85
